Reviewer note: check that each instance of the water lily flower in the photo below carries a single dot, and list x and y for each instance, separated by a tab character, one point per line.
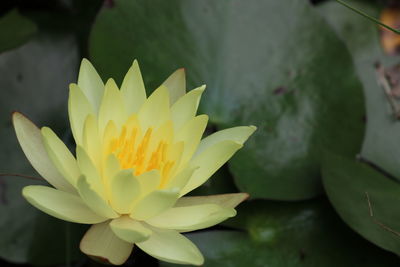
136	158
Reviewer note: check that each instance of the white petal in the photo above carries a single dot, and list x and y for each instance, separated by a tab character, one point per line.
190	218
171	246
31	141
61	205
61	156
176	84
132	89
209	161
90	83
130	230
100	242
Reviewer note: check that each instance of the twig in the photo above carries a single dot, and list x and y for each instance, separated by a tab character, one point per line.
21	175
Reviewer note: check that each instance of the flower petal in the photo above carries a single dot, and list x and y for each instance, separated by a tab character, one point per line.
209	161
78	109
90	83
224	200
149	181
182	178
101	242
94	200
154	203
190	134
88	169
132	89
155	110
91	139
125	189
176	84
238	134
130	230
61	205
112	107
61	156
171	246
185	107
31	141
190	218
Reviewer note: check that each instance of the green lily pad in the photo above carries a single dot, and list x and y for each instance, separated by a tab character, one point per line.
288	234
381	145
365	199
34	81
274	64
15	30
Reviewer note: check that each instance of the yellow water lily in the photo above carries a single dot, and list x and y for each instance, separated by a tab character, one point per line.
136	157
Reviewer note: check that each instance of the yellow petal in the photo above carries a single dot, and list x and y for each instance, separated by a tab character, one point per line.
61	205
190	135
209	161
100	242
31	141
91	140
125	189
91	84
154	203
155	110
130	230
112	107
181	179
238	134
149	181
78	109
61	156
190	218
94	201
171	246
224	200
88	169
132	89
176	84
185	107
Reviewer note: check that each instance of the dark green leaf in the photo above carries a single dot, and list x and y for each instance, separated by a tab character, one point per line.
15	30
273	64
365	199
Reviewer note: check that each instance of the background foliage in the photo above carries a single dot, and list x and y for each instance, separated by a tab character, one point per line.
323	167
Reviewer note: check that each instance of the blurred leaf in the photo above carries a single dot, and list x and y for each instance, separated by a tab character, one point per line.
349	185
34	80
288	234
274	64
15	30
381	142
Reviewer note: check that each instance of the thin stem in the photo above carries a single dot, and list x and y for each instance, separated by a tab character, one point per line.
21	175
368	16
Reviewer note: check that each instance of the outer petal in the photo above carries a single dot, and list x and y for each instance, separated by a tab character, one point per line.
78	109
60	204
176	84
125	189
100	242
130	230
155	110
181	179
209	161
61	156
154	203
31	141
190	218
88	169
238	134
224	200
112	107
91	139
191	134
132	89
149	181
94	200
185	107
90	83
171	246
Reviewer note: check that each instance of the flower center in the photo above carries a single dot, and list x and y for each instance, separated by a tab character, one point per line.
143	152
